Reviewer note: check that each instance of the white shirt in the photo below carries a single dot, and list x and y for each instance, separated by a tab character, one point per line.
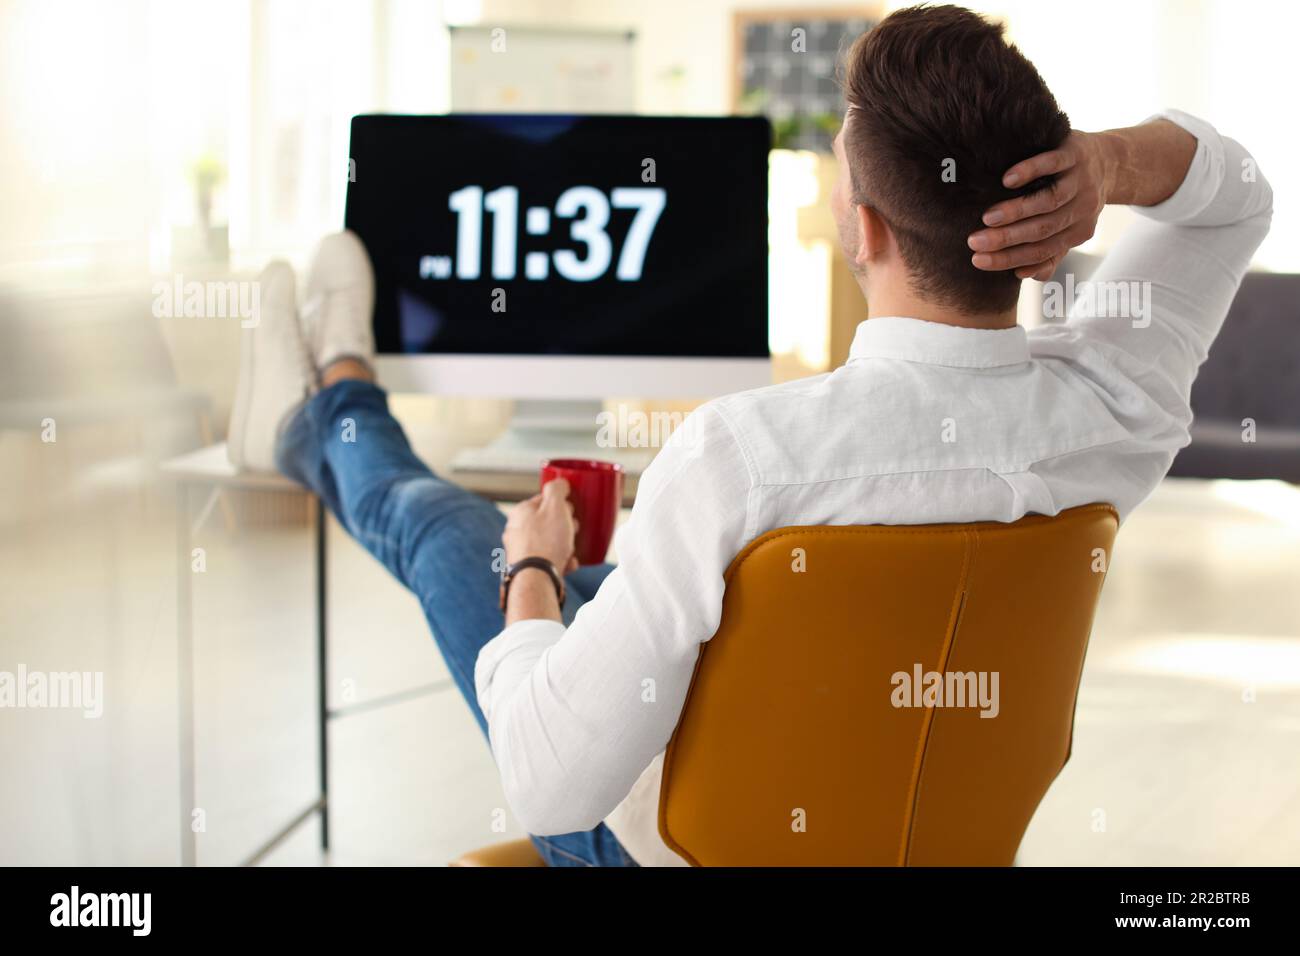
925	423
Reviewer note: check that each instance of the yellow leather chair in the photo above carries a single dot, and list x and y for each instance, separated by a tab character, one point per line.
801	742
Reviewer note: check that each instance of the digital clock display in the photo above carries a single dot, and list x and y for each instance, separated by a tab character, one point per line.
597	235
584	209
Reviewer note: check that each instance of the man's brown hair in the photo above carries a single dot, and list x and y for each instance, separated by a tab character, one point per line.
935	89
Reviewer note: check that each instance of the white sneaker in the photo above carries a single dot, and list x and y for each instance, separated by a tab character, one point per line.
275	372
340	302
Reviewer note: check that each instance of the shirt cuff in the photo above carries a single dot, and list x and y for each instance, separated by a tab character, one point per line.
506	661
1204	175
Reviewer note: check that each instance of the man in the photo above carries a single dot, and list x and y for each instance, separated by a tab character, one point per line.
959	176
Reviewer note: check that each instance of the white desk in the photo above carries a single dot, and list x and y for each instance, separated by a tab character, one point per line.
208	472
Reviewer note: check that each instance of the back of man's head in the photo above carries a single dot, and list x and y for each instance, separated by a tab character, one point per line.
940	106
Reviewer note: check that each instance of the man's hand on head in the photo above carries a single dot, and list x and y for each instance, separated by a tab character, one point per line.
543	526
1032	233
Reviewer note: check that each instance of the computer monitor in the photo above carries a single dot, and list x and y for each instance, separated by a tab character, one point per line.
565	257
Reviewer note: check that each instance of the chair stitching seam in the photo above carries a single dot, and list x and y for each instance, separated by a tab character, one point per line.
959	603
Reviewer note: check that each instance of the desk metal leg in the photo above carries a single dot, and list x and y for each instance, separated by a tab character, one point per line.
185	673
322	660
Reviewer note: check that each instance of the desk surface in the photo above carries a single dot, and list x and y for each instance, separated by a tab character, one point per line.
212	466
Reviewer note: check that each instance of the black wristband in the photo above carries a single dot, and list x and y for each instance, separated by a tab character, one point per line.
533	562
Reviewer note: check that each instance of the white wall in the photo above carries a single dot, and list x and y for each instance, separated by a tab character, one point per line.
101	121
1109	62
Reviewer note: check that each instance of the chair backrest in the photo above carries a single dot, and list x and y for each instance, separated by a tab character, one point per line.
806	739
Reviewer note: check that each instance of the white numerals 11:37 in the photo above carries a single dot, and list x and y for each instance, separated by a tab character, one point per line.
585	205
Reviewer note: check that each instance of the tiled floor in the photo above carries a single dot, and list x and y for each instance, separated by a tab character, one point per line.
1187	744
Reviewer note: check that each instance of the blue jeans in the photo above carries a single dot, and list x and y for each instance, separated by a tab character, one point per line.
435	537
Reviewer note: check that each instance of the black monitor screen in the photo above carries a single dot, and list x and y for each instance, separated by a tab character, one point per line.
548	234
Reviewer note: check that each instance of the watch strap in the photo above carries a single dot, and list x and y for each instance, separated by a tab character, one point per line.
532	562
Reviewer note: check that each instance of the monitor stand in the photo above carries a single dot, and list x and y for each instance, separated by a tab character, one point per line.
549	428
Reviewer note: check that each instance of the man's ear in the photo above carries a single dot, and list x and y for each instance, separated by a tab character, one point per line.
874	232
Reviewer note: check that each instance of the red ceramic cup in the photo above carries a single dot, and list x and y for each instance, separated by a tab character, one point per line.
596	490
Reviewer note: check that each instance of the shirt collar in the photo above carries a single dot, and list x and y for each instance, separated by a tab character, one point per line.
934	343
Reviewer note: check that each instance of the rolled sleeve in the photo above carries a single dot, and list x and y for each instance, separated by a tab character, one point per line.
1216	191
